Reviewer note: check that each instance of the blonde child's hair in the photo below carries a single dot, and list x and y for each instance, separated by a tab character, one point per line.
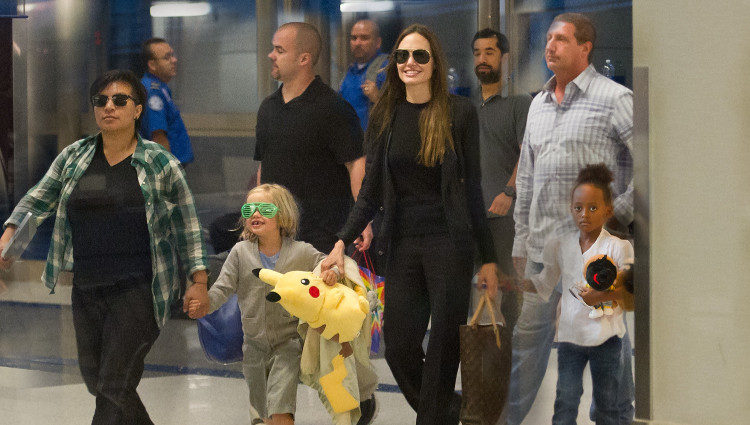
287	216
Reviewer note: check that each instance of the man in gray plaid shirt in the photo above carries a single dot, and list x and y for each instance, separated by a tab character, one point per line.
580	117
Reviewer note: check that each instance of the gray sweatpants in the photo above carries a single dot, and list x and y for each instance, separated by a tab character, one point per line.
272	377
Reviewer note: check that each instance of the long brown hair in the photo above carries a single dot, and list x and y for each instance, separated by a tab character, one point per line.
434	120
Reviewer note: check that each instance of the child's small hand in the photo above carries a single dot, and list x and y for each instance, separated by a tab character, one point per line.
590	296
593	297
330	276
196	310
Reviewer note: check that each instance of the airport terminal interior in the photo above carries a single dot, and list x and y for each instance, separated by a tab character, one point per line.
692	214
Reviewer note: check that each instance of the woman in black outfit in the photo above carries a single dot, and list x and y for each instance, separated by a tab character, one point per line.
425	174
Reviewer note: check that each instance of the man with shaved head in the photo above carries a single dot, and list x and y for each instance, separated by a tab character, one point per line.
361	84
308	138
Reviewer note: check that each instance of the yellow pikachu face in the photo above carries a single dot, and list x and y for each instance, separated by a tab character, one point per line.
302	294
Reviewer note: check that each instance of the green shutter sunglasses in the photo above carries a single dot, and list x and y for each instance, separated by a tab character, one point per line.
265	209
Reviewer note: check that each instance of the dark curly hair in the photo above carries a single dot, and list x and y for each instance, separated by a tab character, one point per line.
597	175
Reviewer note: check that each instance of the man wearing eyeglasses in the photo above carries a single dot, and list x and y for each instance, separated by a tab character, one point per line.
162	121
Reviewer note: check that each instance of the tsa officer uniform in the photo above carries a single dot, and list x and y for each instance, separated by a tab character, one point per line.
163	114
351	85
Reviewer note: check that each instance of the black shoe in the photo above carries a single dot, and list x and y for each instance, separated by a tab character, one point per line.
368	410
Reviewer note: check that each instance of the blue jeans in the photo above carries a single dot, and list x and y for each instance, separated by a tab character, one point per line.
626	392
532	343
605	375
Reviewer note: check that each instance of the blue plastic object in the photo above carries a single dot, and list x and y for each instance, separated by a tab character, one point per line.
220	333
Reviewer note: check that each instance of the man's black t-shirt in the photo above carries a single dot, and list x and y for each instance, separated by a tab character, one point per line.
303	145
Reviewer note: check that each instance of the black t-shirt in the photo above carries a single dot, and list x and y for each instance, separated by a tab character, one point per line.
420	204
107	217
303	145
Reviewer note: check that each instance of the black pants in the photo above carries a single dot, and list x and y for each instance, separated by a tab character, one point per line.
115	329
427	277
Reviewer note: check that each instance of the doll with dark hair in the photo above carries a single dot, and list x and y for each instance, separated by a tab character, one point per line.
600	273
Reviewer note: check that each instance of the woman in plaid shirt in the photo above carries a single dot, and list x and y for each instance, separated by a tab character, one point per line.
124	213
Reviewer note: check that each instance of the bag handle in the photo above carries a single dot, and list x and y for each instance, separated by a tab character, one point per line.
356	255
486	301
368	261
364	256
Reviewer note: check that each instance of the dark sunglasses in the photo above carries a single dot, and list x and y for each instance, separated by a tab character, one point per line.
119	100
265	209
421	56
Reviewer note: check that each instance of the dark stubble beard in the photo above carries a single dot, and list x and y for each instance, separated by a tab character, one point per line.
490	77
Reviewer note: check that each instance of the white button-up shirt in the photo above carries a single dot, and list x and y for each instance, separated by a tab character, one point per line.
562	258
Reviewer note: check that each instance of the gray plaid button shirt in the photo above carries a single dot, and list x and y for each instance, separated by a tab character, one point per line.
593	124
170	215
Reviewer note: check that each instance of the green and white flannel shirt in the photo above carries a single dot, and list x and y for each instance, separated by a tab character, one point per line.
170	214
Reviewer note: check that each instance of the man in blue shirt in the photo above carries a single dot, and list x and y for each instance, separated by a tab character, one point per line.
162	122
362	81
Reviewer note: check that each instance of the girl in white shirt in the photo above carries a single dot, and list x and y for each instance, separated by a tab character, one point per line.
581	339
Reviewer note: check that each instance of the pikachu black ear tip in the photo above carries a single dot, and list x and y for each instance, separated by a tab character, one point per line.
256	272
273	297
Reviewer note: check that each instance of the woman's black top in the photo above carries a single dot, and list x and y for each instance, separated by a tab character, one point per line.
459	186
107	217
420	206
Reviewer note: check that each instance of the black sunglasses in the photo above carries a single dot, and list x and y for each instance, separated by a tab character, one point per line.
119	100
421	56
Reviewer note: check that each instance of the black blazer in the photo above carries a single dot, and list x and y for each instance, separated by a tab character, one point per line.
460	187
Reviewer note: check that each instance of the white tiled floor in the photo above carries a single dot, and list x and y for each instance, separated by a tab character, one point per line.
26	397
39	388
